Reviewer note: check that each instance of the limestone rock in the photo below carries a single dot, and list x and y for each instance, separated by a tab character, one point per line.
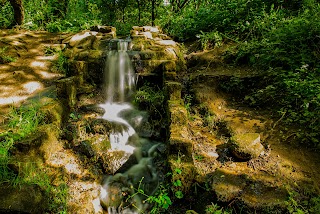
178	113
164	36
84	38
246	146
147	35
85	148
138	37
137	28
167	43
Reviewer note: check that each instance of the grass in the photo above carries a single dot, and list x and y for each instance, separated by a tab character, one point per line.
4	58
20	123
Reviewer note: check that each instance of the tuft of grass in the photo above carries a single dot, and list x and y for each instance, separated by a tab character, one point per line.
4	58
20	123
61	64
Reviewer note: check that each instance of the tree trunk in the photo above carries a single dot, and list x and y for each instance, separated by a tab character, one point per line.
153	12
18	11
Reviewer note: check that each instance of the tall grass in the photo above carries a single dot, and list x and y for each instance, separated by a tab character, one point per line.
20	123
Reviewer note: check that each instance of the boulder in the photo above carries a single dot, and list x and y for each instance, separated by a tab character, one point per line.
167	42
246	146
227	185
82	38
147	35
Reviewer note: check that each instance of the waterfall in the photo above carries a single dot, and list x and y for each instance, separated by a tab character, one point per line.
119	74
119	86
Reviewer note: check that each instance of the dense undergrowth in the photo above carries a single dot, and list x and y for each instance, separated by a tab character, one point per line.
279	38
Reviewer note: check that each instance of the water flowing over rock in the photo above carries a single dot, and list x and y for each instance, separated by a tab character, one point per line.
125	142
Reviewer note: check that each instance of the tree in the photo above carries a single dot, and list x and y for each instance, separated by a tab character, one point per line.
178	5
18	11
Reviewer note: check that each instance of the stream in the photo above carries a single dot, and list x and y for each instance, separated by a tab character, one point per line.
134	169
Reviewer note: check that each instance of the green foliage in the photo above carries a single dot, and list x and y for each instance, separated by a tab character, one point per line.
298	203
215	209
4	58
21	122
160	200
210	40
6	14
151	99
61	64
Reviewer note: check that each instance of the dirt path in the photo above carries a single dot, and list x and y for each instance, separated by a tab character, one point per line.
30	73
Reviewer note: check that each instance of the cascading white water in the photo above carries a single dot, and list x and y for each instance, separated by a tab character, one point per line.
119	83
119	74
120	80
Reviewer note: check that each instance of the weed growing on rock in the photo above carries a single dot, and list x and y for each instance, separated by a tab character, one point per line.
160	200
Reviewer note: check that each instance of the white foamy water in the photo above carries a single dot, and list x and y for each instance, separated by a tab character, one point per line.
118	140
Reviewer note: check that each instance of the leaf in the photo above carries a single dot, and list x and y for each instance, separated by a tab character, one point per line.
179	194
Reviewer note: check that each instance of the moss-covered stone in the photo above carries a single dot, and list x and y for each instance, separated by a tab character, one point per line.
178	113
169	66
79	69
67	90
167	54
183	171
173	90
82	39
22	199
246	146
179	141
55	112
227	184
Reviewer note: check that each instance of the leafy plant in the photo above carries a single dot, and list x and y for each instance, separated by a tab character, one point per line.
151	99
61	64
215	209
210	39
160	200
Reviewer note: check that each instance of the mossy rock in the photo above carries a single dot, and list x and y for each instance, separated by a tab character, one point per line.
180	142
55	112
178	113
67	90
82	39
183	171
167	54
22	199
227	184
246	146
173	90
